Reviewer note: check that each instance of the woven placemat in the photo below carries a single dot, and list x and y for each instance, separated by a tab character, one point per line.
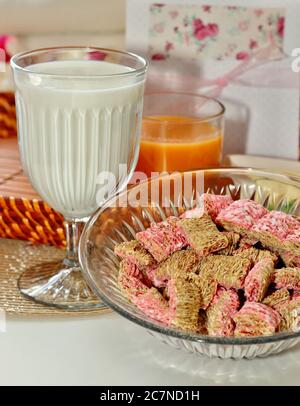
15	257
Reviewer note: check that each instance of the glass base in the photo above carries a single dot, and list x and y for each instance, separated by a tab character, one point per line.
59	285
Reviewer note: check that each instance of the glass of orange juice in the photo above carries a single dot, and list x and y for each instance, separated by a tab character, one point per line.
180	132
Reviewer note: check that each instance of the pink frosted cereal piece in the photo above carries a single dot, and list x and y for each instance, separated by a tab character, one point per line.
220	312
153	305
162	239
252	315
290	259
295	294
157	281
242	213
293	235
130	281
189	214
288	278
258	280
210	204
277	223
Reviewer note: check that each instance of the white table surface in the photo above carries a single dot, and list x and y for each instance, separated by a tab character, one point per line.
109	350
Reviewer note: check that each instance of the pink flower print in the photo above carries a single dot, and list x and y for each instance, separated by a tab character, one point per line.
213	29
243	25
252	44
242	55
173	14
169	46
202	31
159	28
197	23
280	26
206	9
258	12
158	57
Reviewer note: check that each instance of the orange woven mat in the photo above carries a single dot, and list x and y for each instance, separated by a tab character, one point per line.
22	214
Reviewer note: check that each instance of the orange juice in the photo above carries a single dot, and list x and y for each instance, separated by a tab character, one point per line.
176	143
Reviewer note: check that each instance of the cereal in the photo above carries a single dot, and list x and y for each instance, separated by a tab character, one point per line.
273	228
241	215
277	298
246	242
219	314
161	239
184	304
255	255
288	278
179	262
290	259
295	294
153	304
191	274
202	235
209	204
292	241
258	280
256	319
134	253
206	283
131	280
229	272
233	242
290	315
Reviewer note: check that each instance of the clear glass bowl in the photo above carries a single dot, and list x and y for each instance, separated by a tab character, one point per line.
111	225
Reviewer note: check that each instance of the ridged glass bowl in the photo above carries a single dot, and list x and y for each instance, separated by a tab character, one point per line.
116	223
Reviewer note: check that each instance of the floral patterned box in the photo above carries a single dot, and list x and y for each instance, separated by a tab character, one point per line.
243	48
212	31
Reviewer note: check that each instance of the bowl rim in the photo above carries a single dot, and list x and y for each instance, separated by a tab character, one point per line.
155	325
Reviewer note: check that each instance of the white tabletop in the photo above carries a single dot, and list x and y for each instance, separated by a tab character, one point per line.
109	350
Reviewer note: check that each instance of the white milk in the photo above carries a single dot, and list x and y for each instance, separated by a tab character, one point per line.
72	128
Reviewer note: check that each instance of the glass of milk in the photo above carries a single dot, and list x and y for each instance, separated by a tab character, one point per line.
79	117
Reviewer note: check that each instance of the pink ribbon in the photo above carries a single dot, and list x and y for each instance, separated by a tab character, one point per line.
164	76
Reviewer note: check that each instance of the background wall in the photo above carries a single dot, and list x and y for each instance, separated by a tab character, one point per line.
39	23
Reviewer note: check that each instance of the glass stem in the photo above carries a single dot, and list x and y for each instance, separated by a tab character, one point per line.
73	232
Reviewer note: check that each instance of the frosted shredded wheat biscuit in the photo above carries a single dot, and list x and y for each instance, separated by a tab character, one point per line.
258	280
241	215
184	304
134	253
203	235
288	278
256	319
209	204
290	315
256	255
233	242
162	239
219	314
277	298
153	304
229	272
